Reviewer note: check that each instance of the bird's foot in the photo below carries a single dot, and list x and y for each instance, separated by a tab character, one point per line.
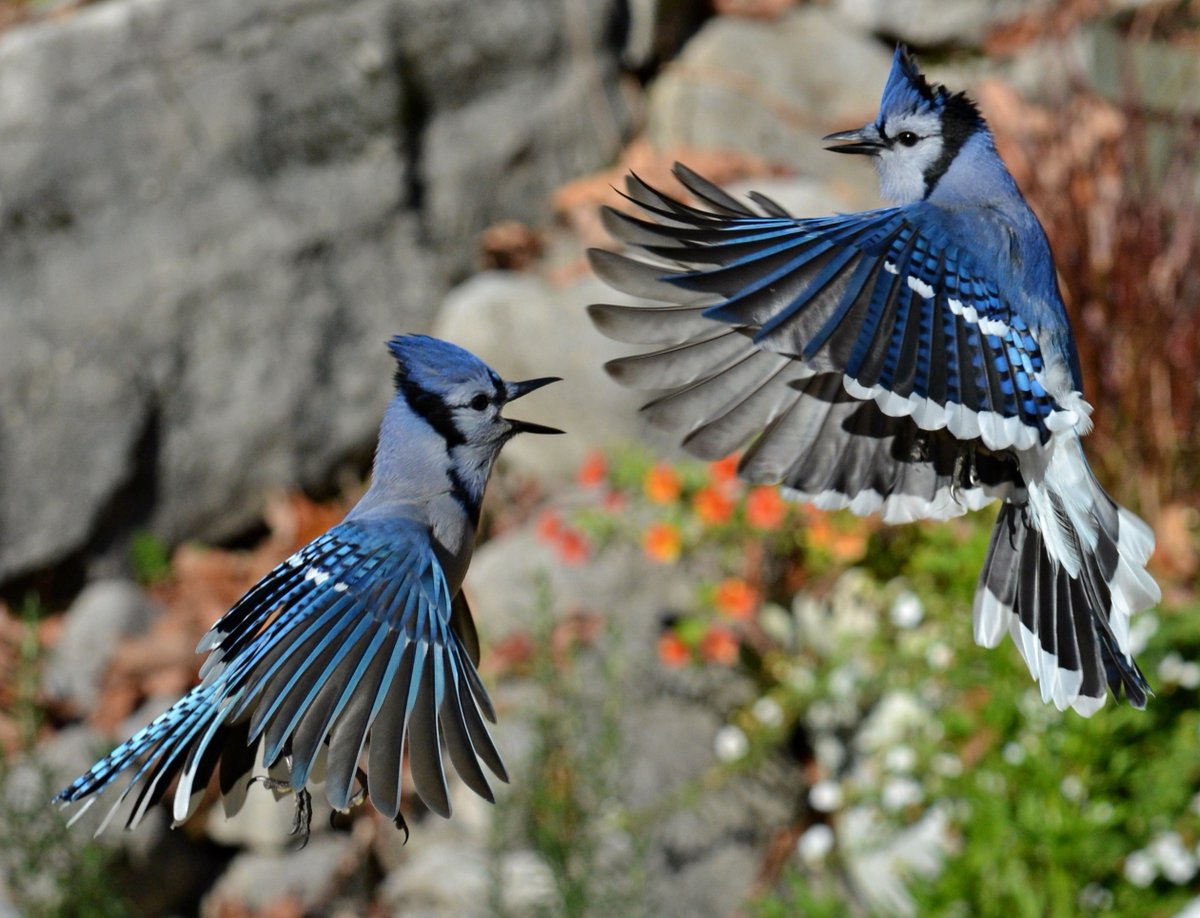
302	822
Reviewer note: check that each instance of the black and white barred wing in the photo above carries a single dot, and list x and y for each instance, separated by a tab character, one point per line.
351	643
872	364
875	368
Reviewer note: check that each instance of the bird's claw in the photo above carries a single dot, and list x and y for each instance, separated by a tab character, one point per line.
302	822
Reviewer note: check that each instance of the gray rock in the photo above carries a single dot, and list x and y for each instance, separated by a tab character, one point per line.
525	327
710	846
71	752
211	222
771	89
264	822
30	784
104	614
927	23
526	884
440	878
255	880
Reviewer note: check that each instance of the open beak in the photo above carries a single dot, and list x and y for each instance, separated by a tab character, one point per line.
856	141
516	390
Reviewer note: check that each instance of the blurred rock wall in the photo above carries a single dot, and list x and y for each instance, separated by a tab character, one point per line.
213	215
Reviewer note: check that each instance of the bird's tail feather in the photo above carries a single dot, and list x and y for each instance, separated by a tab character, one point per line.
1063	574
158	751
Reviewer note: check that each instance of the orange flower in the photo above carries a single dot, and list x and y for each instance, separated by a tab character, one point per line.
662	485
844	544
724	471
850	545
549	526
735	599
712	506
573	546
719	645
593	470
614	502
662	543
765	509
672	651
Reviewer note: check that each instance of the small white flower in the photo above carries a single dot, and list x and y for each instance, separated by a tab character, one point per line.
991	782
1140	869
900	758
1095	898
821	716
896	715
1189	675
947	765
800	678
1179	868
1141	629
1177	862
843	681
1169	667
939	655
768	712
1101	812
1014	753
730	743
900	793
815	844
1072	788
825	796
829	752
907	610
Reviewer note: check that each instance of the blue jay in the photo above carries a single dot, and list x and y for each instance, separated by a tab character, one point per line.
360	639
914	361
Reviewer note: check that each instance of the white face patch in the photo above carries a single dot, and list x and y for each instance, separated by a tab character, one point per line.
902	168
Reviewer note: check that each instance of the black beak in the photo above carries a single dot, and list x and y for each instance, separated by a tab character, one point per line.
855	141
516	390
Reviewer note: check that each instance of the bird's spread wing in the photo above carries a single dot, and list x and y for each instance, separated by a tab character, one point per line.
884	299
350	639
870	366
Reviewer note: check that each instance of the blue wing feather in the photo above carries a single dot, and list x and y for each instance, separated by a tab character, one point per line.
869	294
366	605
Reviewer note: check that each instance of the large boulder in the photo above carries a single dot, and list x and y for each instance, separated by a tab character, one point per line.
773	89
212	216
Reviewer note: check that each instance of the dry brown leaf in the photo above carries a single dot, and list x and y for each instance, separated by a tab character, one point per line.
754	9
578	202
510	246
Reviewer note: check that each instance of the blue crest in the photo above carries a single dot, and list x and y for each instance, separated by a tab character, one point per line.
429	360
907	90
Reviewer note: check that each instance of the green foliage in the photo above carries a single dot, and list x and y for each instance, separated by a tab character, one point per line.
872	664
558	809
150	557
47	869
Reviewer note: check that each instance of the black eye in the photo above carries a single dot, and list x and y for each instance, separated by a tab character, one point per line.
479	402
907	138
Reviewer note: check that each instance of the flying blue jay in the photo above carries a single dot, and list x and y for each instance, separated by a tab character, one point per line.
360	639
915	361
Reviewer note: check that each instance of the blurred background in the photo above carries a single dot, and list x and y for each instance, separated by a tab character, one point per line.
212	217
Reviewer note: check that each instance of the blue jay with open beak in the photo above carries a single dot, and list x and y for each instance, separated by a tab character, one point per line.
360	647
